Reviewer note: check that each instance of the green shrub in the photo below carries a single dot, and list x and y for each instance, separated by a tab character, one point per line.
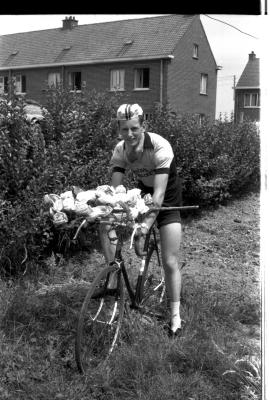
215	161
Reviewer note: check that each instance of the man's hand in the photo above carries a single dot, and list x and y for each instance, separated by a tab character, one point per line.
139	240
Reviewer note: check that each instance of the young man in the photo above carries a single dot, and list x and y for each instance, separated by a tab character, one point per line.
151	158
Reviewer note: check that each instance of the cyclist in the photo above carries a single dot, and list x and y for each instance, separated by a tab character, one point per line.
151	158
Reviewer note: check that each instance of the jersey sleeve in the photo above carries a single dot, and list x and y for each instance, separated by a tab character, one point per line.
117	162
163	157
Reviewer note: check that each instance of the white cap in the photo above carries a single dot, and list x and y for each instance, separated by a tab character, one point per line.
129	111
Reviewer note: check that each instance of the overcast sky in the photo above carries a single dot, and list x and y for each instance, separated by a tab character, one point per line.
230	47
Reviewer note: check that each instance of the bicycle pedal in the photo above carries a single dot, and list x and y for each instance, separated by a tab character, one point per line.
146	320
111	292
154	314
105	292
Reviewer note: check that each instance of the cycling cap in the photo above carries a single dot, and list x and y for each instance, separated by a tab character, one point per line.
129	111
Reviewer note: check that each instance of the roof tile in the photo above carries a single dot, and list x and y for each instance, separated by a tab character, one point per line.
251	75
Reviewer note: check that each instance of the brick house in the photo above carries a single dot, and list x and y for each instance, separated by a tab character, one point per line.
247	92
154	60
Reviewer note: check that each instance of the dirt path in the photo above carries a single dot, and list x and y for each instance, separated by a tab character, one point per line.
221	251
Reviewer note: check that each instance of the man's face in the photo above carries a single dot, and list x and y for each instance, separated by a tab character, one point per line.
131	131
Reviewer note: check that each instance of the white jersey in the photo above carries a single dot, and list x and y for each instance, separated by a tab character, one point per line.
157	158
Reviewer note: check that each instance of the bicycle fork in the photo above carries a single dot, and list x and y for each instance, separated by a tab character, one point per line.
139	285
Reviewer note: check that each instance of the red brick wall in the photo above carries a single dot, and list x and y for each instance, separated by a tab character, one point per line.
36	81
98	77
185	72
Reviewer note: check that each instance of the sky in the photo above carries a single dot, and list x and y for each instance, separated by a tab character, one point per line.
230	47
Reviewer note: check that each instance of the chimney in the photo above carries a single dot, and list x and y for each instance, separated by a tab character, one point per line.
252	56
69	23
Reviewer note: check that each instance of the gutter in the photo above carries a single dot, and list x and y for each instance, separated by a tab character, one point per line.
247	87
97	61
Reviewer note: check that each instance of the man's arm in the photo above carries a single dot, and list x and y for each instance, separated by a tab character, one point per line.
160	185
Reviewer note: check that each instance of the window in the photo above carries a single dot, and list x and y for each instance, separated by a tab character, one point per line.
117	79
251	100
20	83
2	90
148	116
201	119
3	84
75	80
141	78
195	51
241	116
204	84
54	79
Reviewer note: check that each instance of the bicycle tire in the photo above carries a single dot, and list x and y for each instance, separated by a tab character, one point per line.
99	322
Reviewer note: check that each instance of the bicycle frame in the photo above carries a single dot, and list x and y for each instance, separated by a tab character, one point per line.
136	295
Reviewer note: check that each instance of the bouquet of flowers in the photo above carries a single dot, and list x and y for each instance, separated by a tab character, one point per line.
95	203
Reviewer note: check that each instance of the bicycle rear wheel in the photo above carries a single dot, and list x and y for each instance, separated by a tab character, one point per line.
99	321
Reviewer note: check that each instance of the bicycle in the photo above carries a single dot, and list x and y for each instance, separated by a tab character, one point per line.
103	308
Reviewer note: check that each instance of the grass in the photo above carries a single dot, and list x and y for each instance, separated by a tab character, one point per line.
216	358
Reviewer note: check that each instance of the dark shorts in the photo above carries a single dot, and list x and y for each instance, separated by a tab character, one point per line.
164	217
168	217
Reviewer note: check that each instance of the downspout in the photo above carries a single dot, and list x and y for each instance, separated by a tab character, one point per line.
10	85
161	83
63	77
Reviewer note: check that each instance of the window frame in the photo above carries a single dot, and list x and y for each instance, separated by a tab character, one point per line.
20	84
250	95
71	81
4	85
201	118
148	116
241	117
205	93
56	83
118	79
136	70
195	53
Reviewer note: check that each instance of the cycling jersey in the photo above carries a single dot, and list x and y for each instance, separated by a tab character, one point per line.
157	158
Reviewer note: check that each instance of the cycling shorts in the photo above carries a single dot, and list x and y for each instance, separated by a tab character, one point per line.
164	217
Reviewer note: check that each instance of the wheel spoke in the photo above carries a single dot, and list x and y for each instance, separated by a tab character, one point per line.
99	323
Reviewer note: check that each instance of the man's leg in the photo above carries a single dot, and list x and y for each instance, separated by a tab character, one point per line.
170	239
108	247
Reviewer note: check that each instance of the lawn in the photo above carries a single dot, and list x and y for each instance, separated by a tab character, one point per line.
218	356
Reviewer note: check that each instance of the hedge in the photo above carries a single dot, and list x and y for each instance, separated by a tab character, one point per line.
73	146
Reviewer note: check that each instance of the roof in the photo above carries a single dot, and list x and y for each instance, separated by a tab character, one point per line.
151	37
251	75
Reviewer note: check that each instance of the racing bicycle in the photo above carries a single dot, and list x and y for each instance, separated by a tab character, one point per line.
104	307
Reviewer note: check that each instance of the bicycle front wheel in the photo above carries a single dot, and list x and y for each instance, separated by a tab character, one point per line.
99	321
